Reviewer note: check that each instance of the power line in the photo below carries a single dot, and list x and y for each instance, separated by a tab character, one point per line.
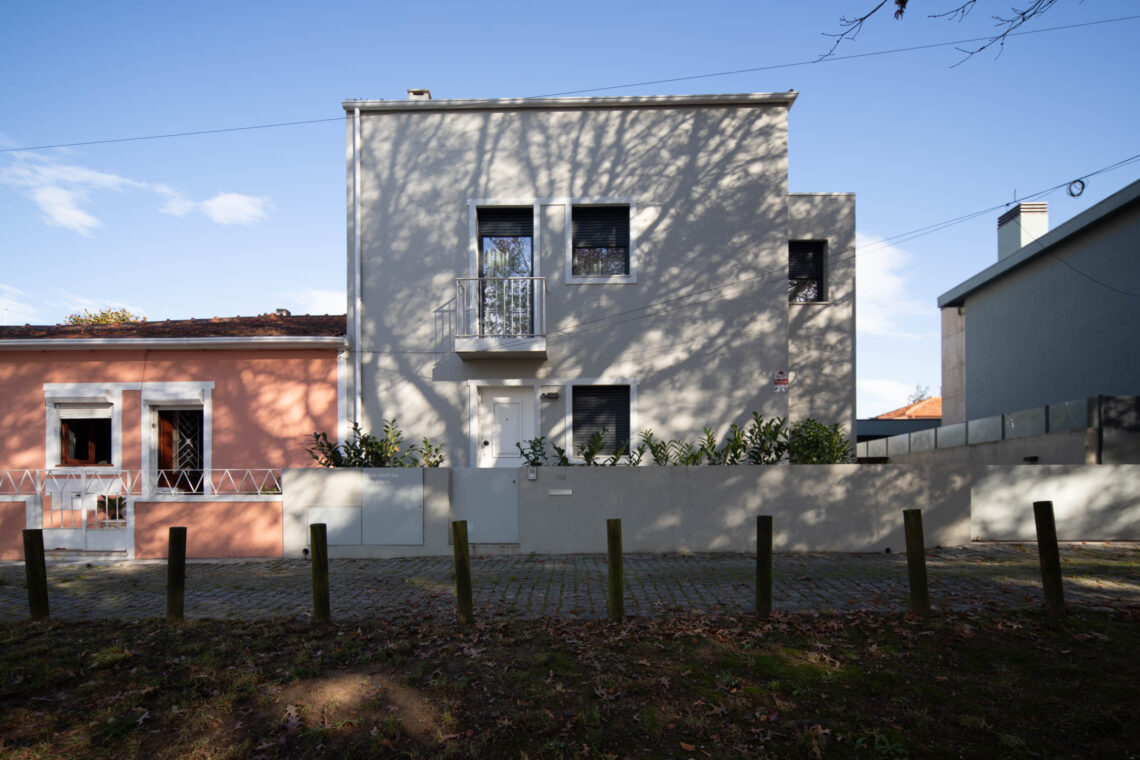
173	134
828	59
1041	248
770	67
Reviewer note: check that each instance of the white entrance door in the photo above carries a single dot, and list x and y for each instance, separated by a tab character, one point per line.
506	417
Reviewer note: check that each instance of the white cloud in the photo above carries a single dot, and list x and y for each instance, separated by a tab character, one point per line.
875	397
884	305
61	208
235	208
176	203
63	193
315	301
60	190
15	308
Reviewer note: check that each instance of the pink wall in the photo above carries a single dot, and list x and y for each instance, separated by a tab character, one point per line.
265	403
13	518
214	529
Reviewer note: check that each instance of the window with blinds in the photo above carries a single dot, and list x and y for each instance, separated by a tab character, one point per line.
600	241
601	409
85	434
805	270
506	236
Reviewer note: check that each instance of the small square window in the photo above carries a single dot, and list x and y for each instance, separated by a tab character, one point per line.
84	441
600	241
805	270
601	409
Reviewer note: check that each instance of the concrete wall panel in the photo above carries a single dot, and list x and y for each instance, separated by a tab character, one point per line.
1093	503
701	509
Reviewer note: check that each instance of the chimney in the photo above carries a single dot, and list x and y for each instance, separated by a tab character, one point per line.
1020	226
420	94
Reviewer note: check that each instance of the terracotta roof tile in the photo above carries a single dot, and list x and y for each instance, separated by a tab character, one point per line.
927	409
322	325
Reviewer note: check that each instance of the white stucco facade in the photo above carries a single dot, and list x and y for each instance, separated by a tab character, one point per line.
692	330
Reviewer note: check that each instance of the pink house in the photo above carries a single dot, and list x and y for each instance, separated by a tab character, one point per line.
110	434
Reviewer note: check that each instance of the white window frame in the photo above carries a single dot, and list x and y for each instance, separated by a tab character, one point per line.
176	395
571	278
568	413
57	395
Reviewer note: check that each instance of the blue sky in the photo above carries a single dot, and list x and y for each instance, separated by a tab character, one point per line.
246	222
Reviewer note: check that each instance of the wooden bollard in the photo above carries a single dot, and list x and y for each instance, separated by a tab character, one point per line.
464	605
1050	558
763	565
916	561
176	575
616	601
318	538
35	570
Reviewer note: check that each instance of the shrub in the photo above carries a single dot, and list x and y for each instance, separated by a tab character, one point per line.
766	442
366	450
812	442
534	453
105	316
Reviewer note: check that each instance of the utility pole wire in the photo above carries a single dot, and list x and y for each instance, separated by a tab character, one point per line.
592	89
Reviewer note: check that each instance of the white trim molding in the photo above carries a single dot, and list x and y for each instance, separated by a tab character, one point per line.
342	424
174	395
57	395
173	344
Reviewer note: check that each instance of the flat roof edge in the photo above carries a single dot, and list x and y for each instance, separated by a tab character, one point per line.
821	195
227	342
607	101
1110	205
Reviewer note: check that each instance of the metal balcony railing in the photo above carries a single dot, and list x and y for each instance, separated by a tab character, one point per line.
500	307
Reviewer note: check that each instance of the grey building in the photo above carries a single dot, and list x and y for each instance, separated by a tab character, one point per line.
556	267
1056	318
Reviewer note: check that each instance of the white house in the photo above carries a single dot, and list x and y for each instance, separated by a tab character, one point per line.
555	267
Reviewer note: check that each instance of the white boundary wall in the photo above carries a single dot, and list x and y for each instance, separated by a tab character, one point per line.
848	508
708	509
1090	502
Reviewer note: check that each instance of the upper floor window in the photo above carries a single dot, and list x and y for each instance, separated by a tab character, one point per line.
806	270
506	290
600	241
506	242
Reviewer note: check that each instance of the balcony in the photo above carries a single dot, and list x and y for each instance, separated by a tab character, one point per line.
500	317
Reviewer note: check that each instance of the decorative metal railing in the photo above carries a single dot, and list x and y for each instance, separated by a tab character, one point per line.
104	483
492	307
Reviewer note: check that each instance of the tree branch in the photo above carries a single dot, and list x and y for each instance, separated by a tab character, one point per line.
850	27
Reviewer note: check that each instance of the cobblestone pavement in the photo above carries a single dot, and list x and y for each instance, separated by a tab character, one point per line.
996	576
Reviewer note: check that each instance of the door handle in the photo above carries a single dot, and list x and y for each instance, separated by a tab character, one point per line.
486	443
